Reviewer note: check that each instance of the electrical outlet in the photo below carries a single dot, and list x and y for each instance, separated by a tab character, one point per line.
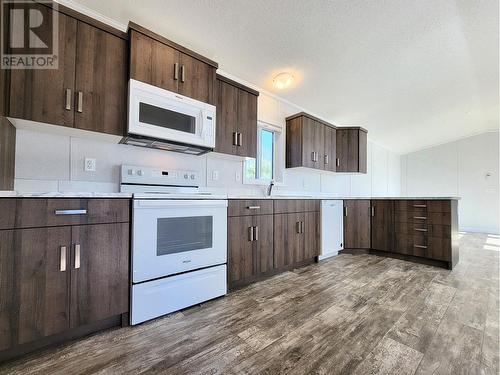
89	165
237	176
215	175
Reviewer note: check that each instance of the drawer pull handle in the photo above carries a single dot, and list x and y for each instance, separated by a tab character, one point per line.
420	217
71	212
420	205
420	246
253	207
420	229
62	266
77	256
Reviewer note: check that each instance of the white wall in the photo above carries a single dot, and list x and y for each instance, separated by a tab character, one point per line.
54	162
468	168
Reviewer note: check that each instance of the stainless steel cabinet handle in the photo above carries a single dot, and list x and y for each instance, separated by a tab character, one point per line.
79	104
298	226
253	207
77	256
71	212
240	139
301	227
338	162
62	265
420	205
68	100
183	73
235	139
420	217
313	156
420	246
250	234
420	229
176	71
327	159
256	233
345	211
373	210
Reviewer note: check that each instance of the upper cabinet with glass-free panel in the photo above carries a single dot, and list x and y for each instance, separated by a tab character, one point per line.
314	143
160	62
236	132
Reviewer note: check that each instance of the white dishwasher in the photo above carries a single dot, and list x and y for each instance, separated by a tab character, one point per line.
332	227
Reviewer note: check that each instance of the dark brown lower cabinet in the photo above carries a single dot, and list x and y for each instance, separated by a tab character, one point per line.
357	220
99	286
288	239
382	225
56	278
250	248
35	277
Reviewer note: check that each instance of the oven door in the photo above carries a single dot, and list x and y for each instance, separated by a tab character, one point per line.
160	114
175	236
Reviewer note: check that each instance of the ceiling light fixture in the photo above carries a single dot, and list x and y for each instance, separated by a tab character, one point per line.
282	80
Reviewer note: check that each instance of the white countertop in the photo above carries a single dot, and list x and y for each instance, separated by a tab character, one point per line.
20	194
55	194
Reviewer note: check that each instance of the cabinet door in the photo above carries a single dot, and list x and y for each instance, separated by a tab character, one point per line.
342	150
240	249
34	275
357	224
311	235
330	150
101	81
288	241
196	79
227	118
41	94
382	225
153	62
263	244
100	283
247	124
309	142
353	150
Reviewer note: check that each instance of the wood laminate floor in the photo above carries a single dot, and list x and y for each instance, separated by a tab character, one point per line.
352	314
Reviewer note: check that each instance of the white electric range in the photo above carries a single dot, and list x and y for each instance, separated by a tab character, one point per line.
179	241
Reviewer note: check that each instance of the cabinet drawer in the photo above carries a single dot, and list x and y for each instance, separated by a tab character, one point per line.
431	230
244	207
420	206
283	206
36	212
417	218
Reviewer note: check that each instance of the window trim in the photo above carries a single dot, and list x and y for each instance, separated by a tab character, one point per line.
277	134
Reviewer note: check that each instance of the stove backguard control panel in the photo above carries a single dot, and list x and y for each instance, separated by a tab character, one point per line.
131	174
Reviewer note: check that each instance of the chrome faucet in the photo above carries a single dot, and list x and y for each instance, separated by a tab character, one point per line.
270	188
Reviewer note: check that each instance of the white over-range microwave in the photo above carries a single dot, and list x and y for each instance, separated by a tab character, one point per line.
166	120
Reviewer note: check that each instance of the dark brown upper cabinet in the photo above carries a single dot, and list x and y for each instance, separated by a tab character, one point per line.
89	87
160	62
310	143
357	220
351	149
236	119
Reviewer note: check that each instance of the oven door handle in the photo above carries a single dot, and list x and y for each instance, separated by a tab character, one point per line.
159	203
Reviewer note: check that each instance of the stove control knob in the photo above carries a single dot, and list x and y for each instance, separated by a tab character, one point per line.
193	176
186	176
131	172
139	172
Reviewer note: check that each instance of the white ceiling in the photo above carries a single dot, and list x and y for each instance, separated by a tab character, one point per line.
414	73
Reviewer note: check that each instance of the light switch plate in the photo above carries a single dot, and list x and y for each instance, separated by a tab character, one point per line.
89	165
215	175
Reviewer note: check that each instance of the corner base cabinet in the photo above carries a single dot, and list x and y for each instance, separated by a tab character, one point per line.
418	230
64	265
